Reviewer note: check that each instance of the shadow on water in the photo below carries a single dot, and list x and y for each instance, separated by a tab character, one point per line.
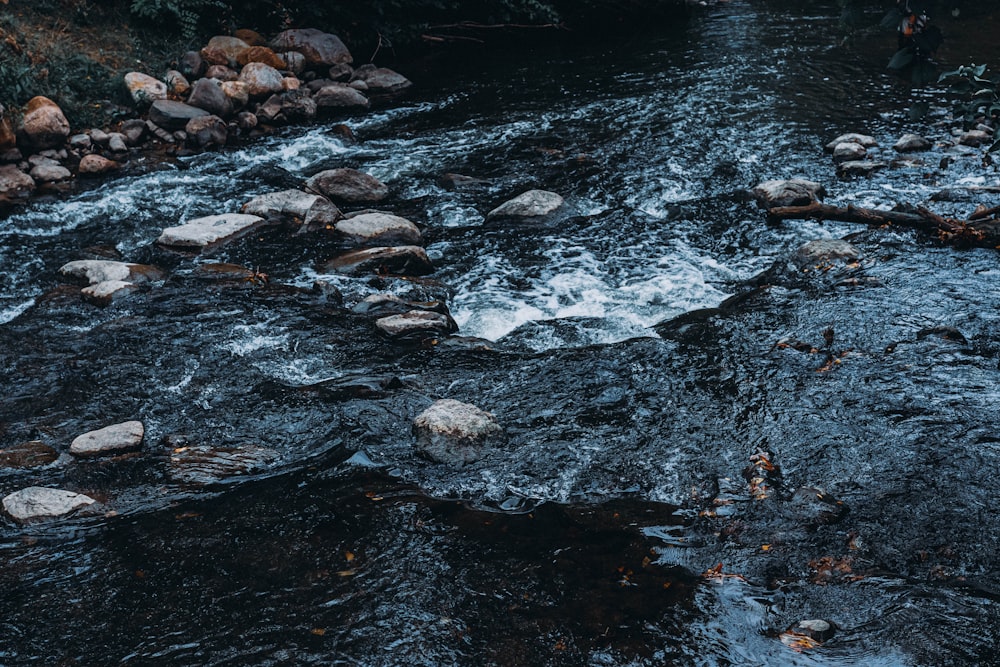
705	445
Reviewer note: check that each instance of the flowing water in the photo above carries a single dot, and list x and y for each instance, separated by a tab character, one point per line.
682	480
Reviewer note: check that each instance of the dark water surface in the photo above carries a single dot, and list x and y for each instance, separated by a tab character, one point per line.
676	487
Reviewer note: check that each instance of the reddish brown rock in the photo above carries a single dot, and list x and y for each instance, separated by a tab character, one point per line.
251	37
232	47
261	54
95	165
44	125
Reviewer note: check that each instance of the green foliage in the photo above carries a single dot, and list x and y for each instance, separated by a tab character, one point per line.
188	16
975	96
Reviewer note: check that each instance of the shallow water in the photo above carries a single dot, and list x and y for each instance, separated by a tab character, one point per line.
635	393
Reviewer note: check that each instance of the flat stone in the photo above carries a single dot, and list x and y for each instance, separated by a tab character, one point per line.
854	138
848	150
105	292
38	502
349	186
145	89
531	204
50	173
113	439
415	324
456	433
909	143
378	228
789	192
95	165
340	96
317	47
403	260
200	464
101	270
859	167
172	115
383	304
201	232
27	455
824	251
975	138
285	202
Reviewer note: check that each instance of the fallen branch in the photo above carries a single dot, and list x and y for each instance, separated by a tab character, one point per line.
977	231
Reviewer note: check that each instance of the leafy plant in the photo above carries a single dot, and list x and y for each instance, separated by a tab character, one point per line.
975	96
187	15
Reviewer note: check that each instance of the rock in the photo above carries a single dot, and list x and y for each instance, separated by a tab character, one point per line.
99	136
847	150
382	80
824	251
284	203
8	140
912	142
791	192
349	186
251	37
191	65
853	138
172	115
975	138
290	83
12	155
415	324
461	182
261	54
201	232
358	85
209	95
177	83
288	107
134	130
262	79
859	167
27	455
96	165
384	303
318	48
232	47
44	125
201	464
105	292
532	203
340	72
404	260
42	161
116	143
159	132
14	183
815	631
378	229
206	131
237	92
340	96
113	439
295	62
222	73
145	89
246	120
456	433
50	173
38	502
97	270
215	57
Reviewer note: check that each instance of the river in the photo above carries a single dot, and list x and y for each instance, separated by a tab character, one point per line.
682	481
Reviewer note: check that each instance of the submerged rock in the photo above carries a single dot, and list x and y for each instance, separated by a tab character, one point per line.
533	203
824	251
205	465
416	324
201	232
378	229
105	292
456	433
848	150
27	455
405	260
113	439
39	502
790	192
349	186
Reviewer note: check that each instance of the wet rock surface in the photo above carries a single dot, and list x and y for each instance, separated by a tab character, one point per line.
456	433
112	439
38	503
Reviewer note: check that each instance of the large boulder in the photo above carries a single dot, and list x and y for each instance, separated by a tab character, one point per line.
177	83
261	79
340	96
237	92
38	502
349	186
376	228
206	131
201	232
531	204
44	125
14	183
456	433
405	260
789	192
173	115
232	47
382	80
293	106
114	439
145	89
317	47
208	94
261	54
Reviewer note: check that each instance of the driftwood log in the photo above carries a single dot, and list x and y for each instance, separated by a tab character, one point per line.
981	229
